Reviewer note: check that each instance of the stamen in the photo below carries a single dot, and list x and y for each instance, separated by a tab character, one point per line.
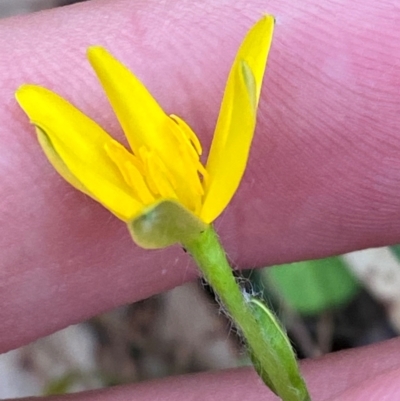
159	176
137	183
188	133
189	145
179	177
143	155
131	171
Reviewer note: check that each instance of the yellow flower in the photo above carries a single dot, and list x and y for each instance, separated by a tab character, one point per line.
163	163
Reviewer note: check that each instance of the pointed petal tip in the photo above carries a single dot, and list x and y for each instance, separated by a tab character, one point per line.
264	25
20	90
23	91
98	55
267	19
26	90
27	96
95	50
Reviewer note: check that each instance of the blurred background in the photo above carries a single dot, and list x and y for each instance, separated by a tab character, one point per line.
326	305
9	8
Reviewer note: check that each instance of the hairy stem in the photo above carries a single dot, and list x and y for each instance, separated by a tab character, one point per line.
270	350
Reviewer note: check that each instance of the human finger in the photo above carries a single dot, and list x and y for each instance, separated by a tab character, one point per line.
322	178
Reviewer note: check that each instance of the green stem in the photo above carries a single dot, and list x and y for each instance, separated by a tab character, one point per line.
277	374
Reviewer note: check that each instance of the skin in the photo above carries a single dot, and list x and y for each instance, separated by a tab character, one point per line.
323	177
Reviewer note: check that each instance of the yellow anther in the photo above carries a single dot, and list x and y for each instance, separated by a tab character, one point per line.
188	133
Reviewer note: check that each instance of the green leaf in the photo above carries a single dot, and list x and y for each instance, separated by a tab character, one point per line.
313	286
281	351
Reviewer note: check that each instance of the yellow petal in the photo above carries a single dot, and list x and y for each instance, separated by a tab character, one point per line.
80	144
236	122
142	119
148	127
57	163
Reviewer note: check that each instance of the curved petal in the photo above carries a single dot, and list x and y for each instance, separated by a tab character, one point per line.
236	122
80	144
57	162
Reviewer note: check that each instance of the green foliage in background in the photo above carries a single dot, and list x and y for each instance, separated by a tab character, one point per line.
396	250
313	286
62	384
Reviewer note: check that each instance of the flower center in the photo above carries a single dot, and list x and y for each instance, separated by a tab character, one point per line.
152	176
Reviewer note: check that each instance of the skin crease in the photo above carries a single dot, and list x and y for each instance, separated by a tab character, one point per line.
323	176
